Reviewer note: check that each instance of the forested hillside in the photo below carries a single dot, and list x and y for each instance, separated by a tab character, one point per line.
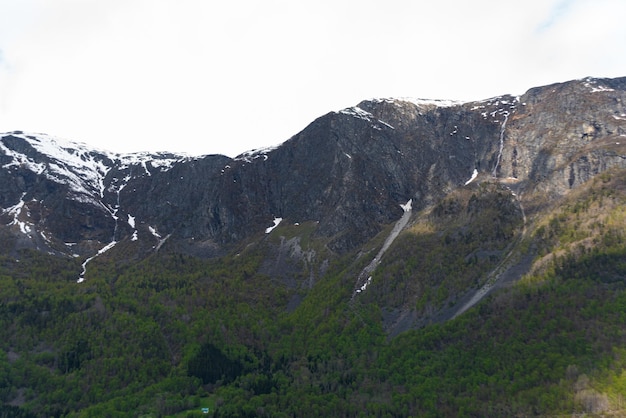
173	333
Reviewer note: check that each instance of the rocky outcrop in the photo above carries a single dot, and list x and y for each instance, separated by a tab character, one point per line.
351	170
563	134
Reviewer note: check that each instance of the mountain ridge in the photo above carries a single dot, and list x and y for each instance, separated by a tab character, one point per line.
382	152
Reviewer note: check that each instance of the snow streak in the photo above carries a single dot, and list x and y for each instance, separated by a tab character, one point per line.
365	278
277	221
474	175
101	251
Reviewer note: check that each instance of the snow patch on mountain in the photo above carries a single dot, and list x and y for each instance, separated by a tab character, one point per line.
160	160
473	177
496	106
357	112
419	102
20	160
154	232
15	211
81	167
102	250
367	283
360	113
132	223
594	86
251	155
277	222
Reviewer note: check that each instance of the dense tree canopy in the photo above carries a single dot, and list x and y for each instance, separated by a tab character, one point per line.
174	333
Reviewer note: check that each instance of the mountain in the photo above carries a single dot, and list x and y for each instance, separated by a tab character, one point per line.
348	171
406	216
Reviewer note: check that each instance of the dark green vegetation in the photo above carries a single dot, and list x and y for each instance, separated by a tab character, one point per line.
452	247
173	333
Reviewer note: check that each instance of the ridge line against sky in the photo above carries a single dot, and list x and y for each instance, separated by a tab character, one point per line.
205	77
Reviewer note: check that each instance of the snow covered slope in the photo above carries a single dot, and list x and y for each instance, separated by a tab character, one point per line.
83	169
55	193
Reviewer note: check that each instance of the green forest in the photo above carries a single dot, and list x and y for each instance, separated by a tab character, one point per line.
171	334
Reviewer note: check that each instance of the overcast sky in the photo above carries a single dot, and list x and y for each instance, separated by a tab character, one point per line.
205	77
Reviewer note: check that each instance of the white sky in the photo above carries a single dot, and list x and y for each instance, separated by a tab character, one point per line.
203	76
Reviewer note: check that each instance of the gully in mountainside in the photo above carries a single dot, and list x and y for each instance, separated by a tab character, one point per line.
501	148
512	264
365	277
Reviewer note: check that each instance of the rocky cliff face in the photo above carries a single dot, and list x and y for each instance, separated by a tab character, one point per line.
348	171
564	134
61	197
